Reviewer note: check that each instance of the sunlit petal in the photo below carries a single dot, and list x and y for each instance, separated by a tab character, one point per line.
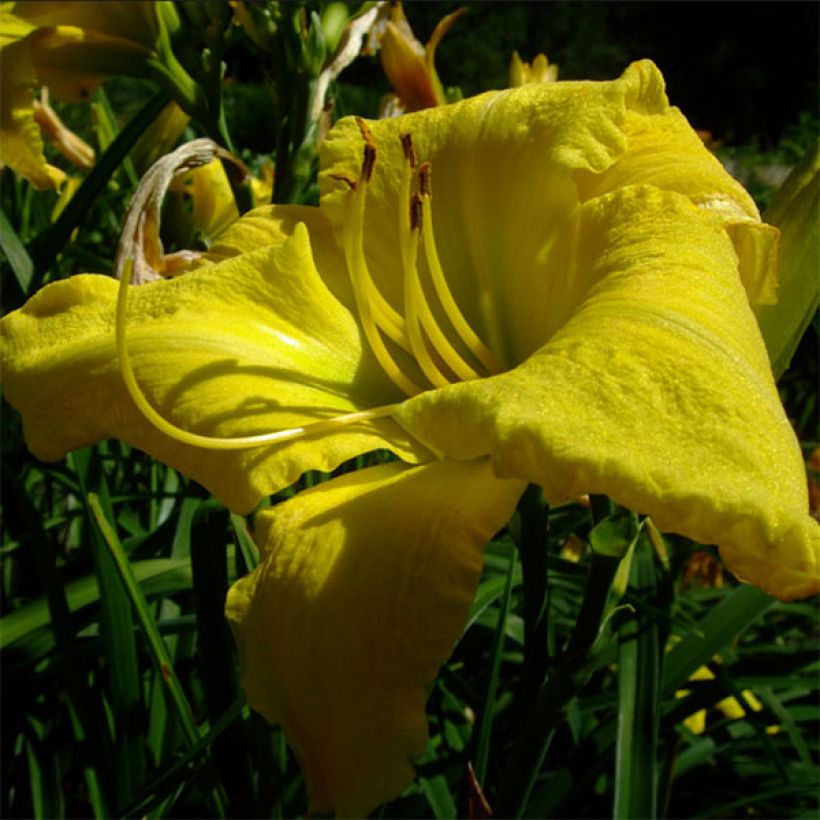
252	345
509	169
362	591
656	392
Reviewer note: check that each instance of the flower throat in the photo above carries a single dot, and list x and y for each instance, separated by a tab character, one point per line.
417	337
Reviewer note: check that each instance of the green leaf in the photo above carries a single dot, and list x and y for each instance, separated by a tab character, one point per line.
485	727
639	659
16	254
613	535
117	625
723	624
26	626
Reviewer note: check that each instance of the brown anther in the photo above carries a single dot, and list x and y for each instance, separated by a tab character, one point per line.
409	149
415	212
368	161
369	155
347	180
424	173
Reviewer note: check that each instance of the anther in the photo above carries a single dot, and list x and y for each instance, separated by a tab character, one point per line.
368	161
369	155
415	212
425	170
409	149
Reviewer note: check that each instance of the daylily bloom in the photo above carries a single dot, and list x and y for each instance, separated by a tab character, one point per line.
548	284
540	70
212	206
71	47
730	707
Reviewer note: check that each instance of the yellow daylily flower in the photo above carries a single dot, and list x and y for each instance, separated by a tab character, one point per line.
212	206
540	70
730	707
548	284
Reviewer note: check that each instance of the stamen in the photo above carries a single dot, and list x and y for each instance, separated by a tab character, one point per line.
387	318
215	442
448	303
417	309
408	149
367	295
414	297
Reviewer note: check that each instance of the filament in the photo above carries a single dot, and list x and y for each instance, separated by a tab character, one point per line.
448	303
364	290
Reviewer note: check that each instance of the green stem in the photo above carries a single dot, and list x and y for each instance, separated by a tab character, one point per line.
533	550
565	681
486	726
639	664
296	152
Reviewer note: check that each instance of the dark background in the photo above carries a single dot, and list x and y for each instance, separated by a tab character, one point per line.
741	70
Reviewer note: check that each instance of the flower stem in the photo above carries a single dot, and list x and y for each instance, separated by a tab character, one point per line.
532	545
557	690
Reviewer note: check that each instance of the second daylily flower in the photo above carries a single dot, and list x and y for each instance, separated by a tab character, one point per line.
550	284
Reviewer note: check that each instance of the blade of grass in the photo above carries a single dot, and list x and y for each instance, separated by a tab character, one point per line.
574	666
439	798
103	110
725	622
532	545
44	779
157	790
487	713
217	652
119	639
24	626
158	649
247	546
163	734
16	255
87	717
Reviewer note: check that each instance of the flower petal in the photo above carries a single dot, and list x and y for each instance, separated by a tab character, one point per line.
274	225
21	144
363	589
135	21
73	61
657	392
251	345
509	169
